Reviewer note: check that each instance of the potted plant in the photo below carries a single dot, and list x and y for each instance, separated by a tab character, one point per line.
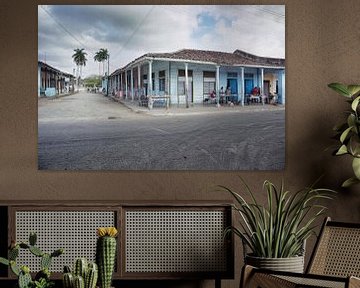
348	132
276	233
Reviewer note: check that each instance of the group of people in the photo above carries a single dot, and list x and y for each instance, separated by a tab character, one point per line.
225	97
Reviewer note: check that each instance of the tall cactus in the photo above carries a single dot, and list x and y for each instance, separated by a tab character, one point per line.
106	254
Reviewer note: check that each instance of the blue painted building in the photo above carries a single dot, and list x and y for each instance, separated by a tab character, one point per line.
193	76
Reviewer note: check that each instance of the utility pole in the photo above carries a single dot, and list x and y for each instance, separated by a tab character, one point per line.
108	77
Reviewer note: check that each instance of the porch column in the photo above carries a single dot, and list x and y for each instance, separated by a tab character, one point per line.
139	81
217	85
126	85
262	85
122	84
281	87
132	83
241	86
186	85
39	80
150	79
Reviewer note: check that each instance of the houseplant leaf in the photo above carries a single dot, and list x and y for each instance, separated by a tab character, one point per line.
342	150
340	88
356	167
355	103
353	89
349	182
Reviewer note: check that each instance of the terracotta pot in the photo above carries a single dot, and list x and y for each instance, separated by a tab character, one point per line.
291	264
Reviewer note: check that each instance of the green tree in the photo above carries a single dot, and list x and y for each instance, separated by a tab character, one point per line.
79	58
101	56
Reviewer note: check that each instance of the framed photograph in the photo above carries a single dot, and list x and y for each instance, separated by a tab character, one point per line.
161	87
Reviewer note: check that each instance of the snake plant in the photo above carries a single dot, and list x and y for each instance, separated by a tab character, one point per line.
279	228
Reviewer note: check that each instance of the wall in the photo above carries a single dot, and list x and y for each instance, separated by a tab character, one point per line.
322	46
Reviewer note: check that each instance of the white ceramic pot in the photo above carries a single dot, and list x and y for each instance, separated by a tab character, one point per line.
291	264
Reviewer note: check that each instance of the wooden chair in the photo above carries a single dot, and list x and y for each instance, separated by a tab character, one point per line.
334	263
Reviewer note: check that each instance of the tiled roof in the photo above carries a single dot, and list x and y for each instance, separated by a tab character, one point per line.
222	58
47	66
237	58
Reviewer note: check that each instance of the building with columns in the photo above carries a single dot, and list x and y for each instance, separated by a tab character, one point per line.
52	82
195	74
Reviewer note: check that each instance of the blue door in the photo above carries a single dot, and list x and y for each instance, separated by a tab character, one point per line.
232	83
249	85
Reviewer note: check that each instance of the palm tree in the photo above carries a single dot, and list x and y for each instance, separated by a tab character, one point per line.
98	58
104	55
80	59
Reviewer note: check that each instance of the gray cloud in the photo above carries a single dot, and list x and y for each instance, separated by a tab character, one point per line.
129	31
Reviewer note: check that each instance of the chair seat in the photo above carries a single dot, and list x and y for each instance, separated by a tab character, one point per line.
267	279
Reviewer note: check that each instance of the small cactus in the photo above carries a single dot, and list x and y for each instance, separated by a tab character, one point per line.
106	254
88	273
68	280
79	282
24	278
81	265
91	276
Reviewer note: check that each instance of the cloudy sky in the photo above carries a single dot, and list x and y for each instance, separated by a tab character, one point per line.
129	31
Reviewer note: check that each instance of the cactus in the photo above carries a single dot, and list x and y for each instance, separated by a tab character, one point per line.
24	280
105	254
13	253
42	278
88	273
79	282
45	261
80	267
68	280
91	276
32	238
36	251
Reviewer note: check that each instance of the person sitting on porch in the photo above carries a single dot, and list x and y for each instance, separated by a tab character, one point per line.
228	94
222	95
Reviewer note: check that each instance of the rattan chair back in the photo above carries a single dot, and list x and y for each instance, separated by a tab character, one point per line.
337	252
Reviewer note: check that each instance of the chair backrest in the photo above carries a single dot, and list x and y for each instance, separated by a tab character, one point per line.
337	251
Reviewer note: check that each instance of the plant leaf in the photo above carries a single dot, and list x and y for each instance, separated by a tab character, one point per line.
345	134
353	89
342	150
356	167
355	103
340	89
349	182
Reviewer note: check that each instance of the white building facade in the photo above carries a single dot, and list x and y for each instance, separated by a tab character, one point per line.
193	76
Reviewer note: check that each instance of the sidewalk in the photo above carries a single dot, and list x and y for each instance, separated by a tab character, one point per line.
196	109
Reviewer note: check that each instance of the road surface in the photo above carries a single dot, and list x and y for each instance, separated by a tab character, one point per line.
91	132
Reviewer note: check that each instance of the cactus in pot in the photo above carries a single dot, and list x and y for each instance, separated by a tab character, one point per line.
106	254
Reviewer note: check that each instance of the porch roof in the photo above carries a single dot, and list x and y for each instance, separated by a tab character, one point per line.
237	58
57	71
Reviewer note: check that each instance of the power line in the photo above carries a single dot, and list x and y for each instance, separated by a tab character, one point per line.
135	30
63	27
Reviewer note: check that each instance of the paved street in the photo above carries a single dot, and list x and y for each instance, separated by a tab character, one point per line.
91	132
